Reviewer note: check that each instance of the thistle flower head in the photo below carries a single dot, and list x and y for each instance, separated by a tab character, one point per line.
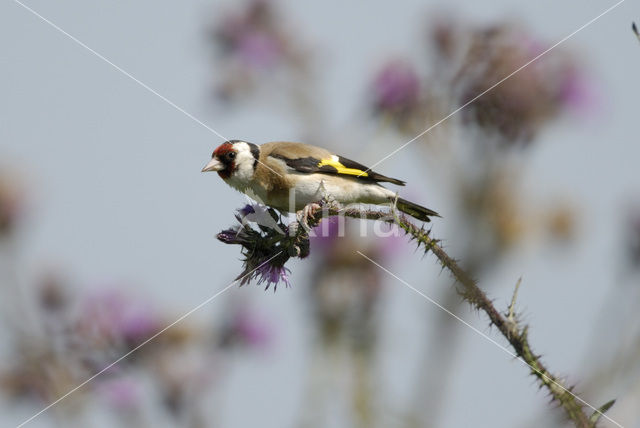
259	49
267	249
253	43
122	393
515	109
245	326
114	316
269	271
273	274
396	87
231	236
577	92
267	244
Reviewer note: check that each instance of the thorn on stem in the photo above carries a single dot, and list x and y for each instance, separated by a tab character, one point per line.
600	411
512	306
511	320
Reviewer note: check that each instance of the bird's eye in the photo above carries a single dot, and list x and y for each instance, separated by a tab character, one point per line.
231	155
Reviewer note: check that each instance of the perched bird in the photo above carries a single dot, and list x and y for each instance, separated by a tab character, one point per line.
289	176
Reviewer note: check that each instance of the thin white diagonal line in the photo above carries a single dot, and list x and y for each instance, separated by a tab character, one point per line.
130	76
505	349
121	70
146	342
492	87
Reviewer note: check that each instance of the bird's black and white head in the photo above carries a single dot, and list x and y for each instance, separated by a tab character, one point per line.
234	160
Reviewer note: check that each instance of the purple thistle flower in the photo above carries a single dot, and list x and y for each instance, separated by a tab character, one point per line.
252	332
247	328
518	108
138	325
117	316
122	393
267	244
254	36
576	92
268	269
396	86
259	49
272	274
230	236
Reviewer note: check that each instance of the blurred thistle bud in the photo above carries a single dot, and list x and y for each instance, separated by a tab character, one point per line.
122	393
113	317
444	35
253	42
259	49
181	374
10	203
396	87
495	204
52	293
344	287
577	92
517	108
562	222
399	98
633	238
255	15
39	373
251	36
244	326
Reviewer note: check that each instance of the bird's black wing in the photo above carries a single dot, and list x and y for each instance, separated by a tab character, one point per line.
336	165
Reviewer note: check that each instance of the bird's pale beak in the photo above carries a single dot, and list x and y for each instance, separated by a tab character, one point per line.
213	165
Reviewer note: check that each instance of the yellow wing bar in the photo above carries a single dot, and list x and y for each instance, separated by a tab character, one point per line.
335	163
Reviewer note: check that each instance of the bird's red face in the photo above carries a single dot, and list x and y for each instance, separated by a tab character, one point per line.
223	160
235	161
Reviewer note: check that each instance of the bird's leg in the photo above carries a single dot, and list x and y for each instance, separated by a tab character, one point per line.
310	210
307	213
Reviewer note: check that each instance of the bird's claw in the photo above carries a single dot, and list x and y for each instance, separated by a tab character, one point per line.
308	213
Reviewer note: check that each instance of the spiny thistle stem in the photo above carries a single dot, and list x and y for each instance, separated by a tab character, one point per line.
270	235
573	405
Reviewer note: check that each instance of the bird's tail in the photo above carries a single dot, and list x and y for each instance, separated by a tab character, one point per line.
415	210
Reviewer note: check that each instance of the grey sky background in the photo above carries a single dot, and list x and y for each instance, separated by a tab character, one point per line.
117	194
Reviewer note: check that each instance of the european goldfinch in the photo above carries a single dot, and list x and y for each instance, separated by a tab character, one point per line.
288	176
